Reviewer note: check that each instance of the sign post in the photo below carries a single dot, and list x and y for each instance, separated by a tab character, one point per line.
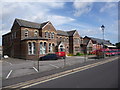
64	60
38	60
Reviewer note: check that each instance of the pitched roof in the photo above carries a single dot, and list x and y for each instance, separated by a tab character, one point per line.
25	23
71	33
86	41
100	41
60	32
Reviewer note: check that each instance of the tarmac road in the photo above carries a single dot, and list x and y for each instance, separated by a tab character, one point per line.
102	76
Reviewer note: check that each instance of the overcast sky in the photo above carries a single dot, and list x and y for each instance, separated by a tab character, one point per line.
85	17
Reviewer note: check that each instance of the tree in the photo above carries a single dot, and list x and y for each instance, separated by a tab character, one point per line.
118	45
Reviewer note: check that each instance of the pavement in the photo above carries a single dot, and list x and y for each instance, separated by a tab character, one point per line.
12	67
86	66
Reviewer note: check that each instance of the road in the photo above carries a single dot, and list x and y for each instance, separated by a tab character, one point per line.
102	76
95	74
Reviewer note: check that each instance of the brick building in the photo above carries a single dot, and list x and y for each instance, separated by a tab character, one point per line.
30	40
92	44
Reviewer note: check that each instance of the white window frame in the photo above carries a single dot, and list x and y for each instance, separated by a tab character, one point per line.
42	48
35	33
46	34
31	48
26	33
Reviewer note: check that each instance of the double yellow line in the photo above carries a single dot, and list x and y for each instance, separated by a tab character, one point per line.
55	76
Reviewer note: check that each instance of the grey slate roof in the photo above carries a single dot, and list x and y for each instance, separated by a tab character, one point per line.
86	41
70	33
35	38
25	23
100	41
64	33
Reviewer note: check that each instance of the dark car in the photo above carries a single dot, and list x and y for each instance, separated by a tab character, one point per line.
49	57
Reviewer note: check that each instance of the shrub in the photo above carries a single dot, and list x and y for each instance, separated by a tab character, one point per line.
70	55
79	54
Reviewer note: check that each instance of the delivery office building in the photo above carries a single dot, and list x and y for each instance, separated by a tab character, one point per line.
30	40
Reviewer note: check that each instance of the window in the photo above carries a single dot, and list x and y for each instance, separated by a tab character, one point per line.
49	35
60	38
26	33
52	36
43	48
50	47
61	48
53	47
77	49
46	34
31	48
67	40
76	40
41	51
36	33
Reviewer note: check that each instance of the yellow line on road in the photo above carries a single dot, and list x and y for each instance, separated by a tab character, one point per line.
55	76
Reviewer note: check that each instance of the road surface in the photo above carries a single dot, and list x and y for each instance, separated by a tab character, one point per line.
102	76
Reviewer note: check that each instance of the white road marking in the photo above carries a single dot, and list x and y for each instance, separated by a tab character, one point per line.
35	69
8	63
53	65
58	75
9	74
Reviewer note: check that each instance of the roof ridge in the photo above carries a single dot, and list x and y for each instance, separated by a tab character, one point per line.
30	24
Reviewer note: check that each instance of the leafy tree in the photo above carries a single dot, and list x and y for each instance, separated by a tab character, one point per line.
118	45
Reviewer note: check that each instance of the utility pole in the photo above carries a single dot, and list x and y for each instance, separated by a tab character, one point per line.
103	27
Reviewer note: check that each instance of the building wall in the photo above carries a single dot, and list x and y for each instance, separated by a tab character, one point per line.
31	32
14	44
15	40
65	41
76	43
6	43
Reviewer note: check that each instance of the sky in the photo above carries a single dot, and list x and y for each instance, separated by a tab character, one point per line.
84	16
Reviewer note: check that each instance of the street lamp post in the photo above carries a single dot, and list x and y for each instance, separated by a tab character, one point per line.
103	27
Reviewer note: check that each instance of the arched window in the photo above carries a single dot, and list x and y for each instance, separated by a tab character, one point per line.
41	48
53	47
60	38
61	48
52	35
26	33
31	48
49	34
45	45
49	47
35	33
46	34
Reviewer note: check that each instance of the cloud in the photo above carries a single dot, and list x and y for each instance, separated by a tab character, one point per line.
107	6
59	0
81	7
37	12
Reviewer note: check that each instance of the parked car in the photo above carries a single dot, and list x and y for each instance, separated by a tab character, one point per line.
49	57
61	54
